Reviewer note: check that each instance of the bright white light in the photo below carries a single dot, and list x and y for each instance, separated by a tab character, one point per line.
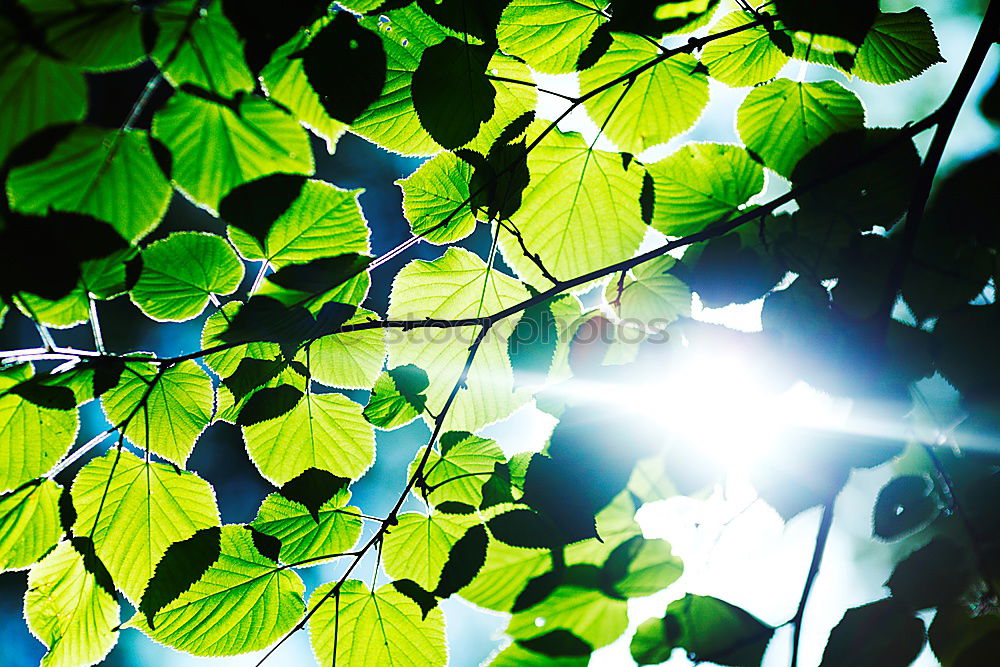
723	406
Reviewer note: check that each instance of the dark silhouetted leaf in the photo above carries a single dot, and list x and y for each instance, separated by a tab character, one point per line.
269	546
523	528
181	566
320	275
536	590
265	29
709	629
345	90
45	396
411	589
254	206
931	576
878	634
451	93
465	560
556	644
850	19
269	403
251	374
902	505
313	488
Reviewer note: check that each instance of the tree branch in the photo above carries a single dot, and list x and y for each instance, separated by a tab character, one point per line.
947	115
822	533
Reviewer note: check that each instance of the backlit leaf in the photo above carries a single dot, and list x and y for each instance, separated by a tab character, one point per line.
457	285
122	501
255	138
633	114
898	47
168	417
783	120
69	610
110	175
32	438
242	602
29	524
324	431
381	627
181	272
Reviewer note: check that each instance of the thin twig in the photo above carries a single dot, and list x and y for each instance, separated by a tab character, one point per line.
822	533
947	115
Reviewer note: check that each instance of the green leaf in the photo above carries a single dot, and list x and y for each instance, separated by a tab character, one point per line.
381	627
587	613
745	58
579	213
69	610
633	114
32	438
652	298
252	139
351	360
121	501
29	523
324	431
304	536
709	629
418	547
457	285
64	313
435	200
783	120
512	100
391	121
94	36
166	418
902	505
243	602
700	184
322	221
515	655
197	44
549	35
225	362
398	397
457	470
898	47
181	272
639	567
897	643
35	92
108	174
504	574
285	81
